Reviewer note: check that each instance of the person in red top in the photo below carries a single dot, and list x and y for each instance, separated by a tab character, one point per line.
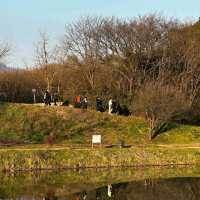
77	102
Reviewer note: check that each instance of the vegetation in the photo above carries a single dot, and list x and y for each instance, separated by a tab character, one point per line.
57	159
41	138
31	124
25	124
149	64
135	61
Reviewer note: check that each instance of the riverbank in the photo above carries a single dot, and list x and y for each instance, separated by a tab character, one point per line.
46	138
57	159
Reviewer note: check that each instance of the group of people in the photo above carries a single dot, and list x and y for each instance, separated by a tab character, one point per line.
49	98
80	102
113	106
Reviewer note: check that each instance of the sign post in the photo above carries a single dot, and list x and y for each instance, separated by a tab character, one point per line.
34	97
96	139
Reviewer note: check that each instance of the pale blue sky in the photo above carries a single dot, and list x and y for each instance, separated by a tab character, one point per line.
22	20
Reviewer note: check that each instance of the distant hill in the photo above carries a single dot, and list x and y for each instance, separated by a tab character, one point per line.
3	67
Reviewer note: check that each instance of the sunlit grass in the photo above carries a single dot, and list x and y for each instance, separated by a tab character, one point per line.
29	124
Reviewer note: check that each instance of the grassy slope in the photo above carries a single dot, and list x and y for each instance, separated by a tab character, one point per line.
33	124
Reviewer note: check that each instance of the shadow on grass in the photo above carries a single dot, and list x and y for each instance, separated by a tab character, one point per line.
191	117
162	128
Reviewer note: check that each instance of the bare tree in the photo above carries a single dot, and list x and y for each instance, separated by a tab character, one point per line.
44	59
43	52
4	50
134	46
81	40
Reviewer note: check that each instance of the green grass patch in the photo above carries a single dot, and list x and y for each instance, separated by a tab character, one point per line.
30	124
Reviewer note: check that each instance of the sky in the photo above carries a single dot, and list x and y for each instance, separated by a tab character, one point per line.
21	21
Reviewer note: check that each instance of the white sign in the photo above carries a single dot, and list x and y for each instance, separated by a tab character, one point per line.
96	139
34	90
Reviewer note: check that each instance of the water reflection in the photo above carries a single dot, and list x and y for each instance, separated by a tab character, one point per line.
129	184
109	190
81	196
165	189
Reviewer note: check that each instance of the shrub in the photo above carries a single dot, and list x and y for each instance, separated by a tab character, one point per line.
159	104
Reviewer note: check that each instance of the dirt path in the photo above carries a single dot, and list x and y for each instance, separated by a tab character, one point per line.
88	147
180	146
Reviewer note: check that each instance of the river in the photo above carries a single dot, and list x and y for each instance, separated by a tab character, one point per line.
102	184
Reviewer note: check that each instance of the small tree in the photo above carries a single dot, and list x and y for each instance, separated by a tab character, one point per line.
159	104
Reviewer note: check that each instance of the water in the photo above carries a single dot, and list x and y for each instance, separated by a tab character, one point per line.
118	184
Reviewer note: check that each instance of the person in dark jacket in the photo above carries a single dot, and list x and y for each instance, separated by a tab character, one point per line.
99	104
114	106
47	98
55	98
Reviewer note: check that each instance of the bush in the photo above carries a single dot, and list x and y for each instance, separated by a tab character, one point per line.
159	104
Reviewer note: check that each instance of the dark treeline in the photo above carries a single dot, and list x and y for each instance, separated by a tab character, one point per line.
149	63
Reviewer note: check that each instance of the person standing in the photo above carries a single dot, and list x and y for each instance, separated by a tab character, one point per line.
110	106
47	98
109	190
77	103
99	104
85	103
55	98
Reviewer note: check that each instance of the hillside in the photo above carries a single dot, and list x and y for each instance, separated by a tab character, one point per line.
3	67
29	124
